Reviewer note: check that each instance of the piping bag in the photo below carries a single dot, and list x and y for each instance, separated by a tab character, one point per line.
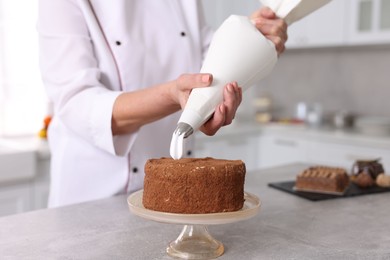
238	52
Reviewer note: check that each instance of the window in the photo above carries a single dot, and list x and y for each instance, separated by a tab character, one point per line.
22	97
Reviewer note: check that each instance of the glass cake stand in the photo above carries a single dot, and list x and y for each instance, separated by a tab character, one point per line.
194	241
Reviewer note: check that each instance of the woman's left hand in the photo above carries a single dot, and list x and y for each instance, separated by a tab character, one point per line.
272	27
225	112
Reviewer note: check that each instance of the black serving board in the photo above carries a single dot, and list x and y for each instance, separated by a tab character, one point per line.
352	190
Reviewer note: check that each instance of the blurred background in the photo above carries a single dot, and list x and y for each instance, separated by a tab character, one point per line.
22	98
337	58
326	102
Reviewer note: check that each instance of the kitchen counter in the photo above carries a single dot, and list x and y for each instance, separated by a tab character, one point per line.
287	227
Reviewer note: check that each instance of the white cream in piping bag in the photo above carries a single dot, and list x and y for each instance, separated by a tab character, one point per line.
177	146
238	52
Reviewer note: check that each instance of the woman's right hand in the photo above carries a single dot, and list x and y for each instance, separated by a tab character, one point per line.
136	108
182	87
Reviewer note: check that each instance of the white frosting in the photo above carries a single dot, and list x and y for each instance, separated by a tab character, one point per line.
177	145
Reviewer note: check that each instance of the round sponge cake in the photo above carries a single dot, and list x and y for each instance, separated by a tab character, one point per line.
194	185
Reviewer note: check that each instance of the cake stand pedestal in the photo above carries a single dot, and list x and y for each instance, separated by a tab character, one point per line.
194	241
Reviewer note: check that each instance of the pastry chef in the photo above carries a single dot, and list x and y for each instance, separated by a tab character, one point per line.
118	74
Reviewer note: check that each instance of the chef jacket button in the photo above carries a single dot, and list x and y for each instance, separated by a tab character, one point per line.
189	152
183	34
135	169
118	43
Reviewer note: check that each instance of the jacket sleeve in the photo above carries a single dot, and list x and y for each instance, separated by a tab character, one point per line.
72	78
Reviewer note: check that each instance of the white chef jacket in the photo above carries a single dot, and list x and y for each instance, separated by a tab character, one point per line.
91	52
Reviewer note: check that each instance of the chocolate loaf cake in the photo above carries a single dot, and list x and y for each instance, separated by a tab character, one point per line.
194	186
323	178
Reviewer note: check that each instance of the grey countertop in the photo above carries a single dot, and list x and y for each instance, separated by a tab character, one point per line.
287	227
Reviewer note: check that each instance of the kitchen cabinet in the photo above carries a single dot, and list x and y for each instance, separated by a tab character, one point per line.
256	148
338	23
316	148
369	22
268	146
41	195
281	148
41	183
231	147
16	198
324	27
25	192
344	155
21	196
277	150
343	23
16	163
